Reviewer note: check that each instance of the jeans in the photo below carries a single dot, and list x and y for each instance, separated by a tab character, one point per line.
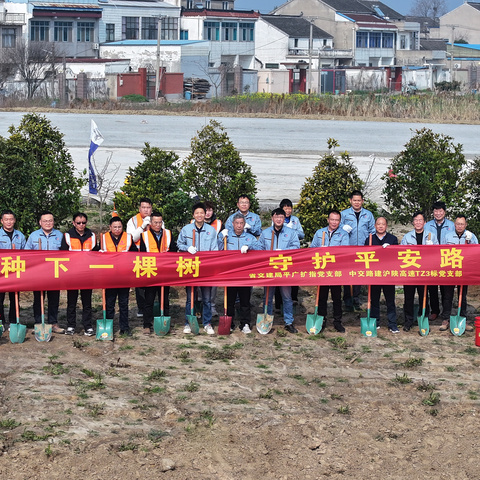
206	301
389	293
287	303
111	295
86	297
53	297
150	294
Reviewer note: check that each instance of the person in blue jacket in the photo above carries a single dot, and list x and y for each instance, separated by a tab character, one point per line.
9	239
291	221
241	241
441	227
331	236
46	238
359	223
253	223
460	236
205	241
385	239
417	236
279	237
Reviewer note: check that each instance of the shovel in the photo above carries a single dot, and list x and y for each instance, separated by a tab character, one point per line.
314	321
43	331
104	325
224	322
192	318
161	324
423	324
368	326
265	321
458	323
17	330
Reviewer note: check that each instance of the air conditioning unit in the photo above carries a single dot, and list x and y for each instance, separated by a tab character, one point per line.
457	66
96	46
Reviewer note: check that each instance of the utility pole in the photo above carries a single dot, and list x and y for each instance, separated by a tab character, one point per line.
310	45
157	69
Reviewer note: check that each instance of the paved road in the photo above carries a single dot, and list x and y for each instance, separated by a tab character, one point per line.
282	152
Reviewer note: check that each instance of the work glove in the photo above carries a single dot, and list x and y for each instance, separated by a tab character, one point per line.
429	242
146	222
244	249
468	235
247	226
289	224
385	245
224	232
347	228
193	250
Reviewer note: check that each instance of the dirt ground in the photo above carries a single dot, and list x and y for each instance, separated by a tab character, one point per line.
277	406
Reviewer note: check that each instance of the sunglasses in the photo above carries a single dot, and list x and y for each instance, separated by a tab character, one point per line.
81	223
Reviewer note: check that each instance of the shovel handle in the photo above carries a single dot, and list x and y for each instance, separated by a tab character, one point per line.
17	308
104	303
424	298
460	295
268	288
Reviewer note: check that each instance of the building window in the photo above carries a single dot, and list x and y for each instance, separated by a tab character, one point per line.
169	28
110	32
85	31
246	32
149	28
8	38
387	40
183	34
362	39
229	31
130	28
191	4
403	42
208	4
375	39
62	31
39	31
211	31
225	5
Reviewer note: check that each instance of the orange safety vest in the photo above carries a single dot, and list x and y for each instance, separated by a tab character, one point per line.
123	245
151	243
75	245
137	222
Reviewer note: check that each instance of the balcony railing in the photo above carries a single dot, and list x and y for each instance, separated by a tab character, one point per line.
323	52
12	19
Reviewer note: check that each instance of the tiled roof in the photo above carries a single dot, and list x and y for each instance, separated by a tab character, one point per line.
295	26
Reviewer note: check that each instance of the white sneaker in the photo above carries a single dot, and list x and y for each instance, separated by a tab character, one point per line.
89	332
214	311
69	331
246	329
208	328
187	329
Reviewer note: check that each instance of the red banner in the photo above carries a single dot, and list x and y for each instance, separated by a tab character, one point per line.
27	270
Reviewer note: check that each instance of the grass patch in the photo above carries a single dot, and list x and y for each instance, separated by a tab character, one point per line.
339	343
412	362
471	351
402	379
156	375
155	436
220	354
9	424
268	394
432	400
191	387
426	386
344	410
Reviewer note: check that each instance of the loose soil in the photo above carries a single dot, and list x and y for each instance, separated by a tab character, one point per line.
278	406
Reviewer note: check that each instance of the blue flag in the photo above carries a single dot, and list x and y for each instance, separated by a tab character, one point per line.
96	139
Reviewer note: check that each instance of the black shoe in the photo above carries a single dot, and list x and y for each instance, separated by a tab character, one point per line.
290	328
127	333
407	328
339	327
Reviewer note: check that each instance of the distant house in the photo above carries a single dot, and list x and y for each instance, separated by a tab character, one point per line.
461	24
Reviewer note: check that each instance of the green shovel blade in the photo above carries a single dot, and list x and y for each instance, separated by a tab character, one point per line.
104	329
457	325
368	326
17	332
161	325
264	323
43	332
314	323
1	329
193	322
423	325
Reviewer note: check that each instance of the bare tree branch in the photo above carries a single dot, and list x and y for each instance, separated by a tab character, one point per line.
429	8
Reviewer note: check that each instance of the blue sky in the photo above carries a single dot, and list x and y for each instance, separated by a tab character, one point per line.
265	6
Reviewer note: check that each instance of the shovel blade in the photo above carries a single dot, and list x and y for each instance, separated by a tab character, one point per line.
1	329
264	323
193	322
104	329
224	325
17	332
423	325
368	326
314	324
457	325
161	325
43	332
